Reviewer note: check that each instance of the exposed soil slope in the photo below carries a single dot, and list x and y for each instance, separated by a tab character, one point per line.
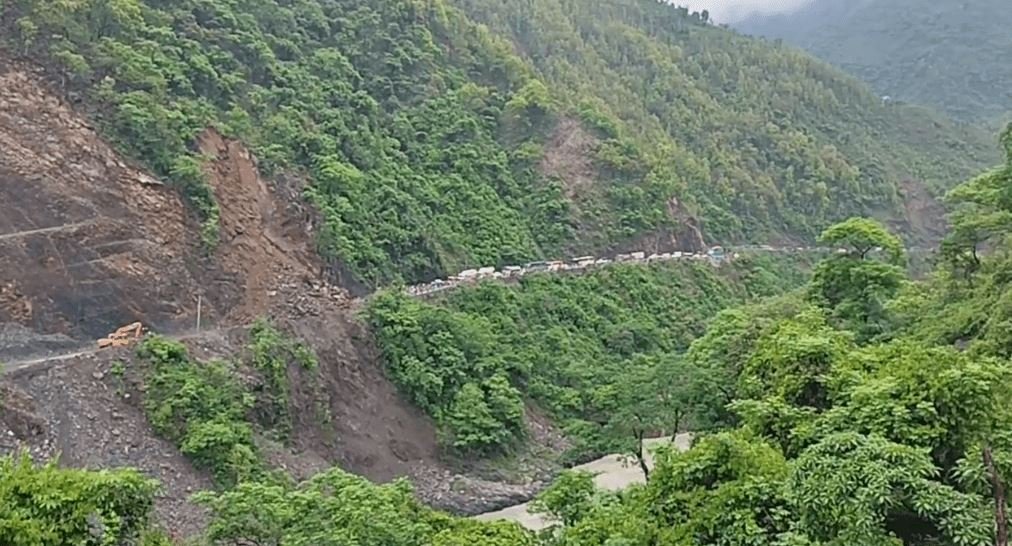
88	242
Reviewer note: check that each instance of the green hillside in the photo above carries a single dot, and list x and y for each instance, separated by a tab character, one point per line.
566	342
949	55
842	413
441	134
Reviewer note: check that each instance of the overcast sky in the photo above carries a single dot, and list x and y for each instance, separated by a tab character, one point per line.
730	11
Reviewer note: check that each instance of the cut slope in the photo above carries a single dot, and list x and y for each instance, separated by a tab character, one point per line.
89	243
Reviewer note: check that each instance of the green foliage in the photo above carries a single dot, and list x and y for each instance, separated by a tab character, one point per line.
430	129
335	508
854	489
271	354
831	442
201	407
729	489
50	506
566	342
570	498
861	236
856	286
471	533
912	51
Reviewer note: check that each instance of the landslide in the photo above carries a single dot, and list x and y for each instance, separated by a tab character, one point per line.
92	242
88	241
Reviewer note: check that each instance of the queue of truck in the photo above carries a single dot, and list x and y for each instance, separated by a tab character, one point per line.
715	255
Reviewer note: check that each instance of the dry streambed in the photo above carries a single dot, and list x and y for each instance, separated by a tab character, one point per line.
612	473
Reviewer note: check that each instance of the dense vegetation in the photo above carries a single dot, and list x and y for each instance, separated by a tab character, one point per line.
944	54
423	124
210	412
862	409
564	341
836	425
48	506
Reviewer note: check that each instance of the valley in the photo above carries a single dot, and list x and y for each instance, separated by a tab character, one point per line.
409	270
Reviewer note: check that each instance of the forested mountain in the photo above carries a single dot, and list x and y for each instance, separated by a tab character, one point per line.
851	405
442	134
845	412
945	54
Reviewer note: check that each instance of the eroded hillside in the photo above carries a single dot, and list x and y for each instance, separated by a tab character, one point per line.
95	242
88	241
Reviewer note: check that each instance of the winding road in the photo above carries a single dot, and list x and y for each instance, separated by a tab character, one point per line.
469	278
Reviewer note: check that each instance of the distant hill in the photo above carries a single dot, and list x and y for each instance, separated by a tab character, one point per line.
952	55
435	136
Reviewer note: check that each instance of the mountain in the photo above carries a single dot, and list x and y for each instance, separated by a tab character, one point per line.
948	55
440	135
238	175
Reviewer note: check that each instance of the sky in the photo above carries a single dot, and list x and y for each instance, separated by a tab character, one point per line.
731	11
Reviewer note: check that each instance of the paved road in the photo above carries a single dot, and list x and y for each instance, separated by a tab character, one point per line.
613	473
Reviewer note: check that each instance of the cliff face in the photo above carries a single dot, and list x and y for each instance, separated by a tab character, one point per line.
89	242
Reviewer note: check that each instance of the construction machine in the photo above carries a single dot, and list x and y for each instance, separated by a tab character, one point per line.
123	336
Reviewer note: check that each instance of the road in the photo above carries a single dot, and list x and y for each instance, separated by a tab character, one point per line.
42	231
440	285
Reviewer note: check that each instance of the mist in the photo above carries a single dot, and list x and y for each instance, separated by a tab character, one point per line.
732	11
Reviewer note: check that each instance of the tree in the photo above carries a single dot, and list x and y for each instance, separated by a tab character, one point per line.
861	236
855	489
333	508
44	505
856	286
570	498
472	533
656	396
982	213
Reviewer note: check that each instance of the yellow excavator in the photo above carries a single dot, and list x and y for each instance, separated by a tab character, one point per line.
123	336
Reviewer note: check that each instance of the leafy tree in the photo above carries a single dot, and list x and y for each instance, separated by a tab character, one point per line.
852	489
333	508
470	533
861	236
983	213
856	286
570	498
653	398
50	506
